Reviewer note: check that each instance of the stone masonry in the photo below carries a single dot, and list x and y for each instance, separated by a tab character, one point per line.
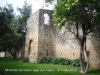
45	40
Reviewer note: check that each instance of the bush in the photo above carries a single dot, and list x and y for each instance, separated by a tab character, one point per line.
55	61
61	61
26	59
68	62
75	62
46	60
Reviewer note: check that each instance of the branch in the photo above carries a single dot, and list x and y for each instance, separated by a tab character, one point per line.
77	34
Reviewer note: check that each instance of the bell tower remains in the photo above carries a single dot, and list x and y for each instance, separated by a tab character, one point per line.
39	36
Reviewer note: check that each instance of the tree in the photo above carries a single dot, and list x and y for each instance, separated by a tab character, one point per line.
25	13
50	1
20	22
84	16
8	33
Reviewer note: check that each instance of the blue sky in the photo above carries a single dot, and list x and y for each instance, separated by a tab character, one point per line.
36	4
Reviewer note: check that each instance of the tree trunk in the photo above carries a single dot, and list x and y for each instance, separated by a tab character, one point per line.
84	60
13	53
5	53
87	63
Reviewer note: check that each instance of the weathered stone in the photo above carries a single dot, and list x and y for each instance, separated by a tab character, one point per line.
45	40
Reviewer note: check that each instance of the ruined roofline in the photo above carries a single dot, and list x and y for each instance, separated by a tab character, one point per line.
32	14
36	12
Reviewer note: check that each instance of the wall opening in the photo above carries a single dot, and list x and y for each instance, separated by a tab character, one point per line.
46	19
47	53
30	46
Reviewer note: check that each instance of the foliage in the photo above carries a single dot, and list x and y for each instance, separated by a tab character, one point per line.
80	17
61	61
49	1
13	28
75	62
68	62
20	21
8	32
46	60
25	13
56	61
26	59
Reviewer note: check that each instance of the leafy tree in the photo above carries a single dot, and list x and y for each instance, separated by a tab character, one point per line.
84	16
8	33
50	1
21	20
25	13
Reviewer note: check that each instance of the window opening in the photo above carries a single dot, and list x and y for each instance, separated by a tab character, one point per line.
46	19
30	46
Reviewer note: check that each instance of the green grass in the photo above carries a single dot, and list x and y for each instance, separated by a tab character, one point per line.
27	68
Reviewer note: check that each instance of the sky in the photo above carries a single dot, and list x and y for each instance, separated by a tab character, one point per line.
36	4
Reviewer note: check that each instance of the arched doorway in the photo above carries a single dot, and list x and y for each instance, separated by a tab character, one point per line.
30	46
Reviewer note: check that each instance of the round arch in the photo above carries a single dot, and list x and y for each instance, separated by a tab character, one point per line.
30	46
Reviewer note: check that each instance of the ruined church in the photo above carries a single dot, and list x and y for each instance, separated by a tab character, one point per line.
43	39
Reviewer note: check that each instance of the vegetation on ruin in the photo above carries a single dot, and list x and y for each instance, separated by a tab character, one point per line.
8	64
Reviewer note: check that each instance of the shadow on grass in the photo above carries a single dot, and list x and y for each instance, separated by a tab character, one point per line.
1	73
97	71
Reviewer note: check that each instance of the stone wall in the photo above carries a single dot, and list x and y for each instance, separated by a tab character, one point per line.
45	37
2	54
31	45
45	40
67	47
94	48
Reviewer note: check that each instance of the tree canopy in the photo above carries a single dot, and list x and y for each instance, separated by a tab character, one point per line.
25	13
20	22
49	1
13	28
8	32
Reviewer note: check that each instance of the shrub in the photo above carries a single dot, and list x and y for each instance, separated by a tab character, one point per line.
26	59
68	62
55	61
61	61
75	62
46	60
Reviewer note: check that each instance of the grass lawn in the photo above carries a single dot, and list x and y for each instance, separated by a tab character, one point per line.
10	66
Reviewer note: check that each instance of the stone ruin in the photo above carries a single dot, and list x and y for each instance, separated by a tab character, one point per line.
43	39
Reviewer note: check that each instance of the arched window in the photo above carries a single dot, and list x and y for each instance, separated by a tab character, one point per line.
30	46
46	19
